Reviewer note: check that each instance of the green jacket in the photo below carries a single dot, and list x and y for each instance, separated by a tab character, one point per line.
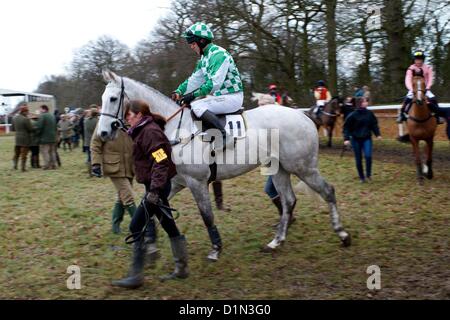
89	128
34	142
215	74
46	128
115	157
23	128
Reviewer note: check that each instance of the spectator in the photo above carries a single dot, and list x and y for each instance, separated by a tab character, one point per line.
65	129
359	93
23	128
34	144
90	123
358	130
114	159
348	106
367	94
273	91
46	130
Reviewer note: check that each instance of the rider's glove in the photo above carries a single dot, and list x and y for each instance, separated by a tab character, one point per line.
97	170
175	96
152	197
188	98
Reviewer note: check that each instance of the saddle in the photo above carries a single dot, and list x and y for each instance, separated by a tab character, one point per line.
233	123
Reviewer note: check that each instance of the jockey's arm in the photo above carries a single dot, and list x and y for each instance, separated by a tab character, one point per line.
329	97
408	80
215	74
193	82
429	78
316	95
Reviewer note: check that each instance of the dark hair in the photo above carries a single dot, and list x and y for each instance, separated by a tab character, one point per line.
45	107
141	106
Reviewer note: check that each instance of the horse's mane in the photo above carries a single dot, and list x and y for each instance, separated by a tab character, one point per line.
154	91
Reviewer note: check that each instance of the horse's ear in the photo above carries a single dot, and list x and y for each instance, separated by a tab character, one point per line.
108	75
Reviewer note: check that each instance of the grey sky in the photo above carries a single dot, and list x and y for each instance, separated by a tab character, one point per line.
38	38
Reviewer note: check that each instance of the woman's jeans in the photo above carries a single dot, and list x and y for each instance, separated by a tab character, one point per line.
360	146
270	188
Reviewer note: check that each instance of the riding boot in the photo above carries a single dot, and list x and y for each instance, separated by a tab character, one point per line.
37	162
218	196
135	277
117	217
434	107
152	252
131	209
15	162
211	120
180	256
401	116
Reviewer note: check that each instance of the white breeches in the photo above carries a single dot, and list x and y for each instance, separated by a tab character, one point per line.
321	103
227	103
429	94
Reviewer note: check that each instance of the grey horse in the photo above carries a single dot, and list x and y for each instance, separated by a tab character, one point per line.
296	152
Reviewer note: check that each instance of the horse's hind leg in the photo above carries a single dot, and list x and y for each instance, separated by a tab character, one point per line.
316	182
200	192
429	149
282	182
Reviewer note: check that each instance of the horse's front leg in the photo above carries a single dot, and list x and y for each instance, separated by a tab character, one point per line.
177	184
330	136
430	158
200	192
416	150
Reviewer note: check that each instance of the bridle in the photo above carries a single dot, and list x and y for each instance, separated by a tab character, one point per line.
119	123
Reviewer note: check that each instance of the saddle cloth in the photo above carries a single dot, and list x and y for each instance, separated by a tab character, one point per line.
233	123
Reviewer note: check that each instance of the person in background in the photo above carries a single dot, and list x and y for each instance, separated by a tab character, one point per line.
348	107
358	129
23	128
65	128
367	94
46	130
273	91
89	125
34	144
322	96
419	67
358	93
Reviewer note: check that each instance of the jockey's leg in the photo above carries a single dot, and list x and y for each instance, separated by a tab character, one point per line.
434	106
207	108
405	108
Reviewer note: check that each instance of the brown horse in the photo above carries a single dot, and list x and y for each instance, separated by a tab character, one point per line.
327	117
421	125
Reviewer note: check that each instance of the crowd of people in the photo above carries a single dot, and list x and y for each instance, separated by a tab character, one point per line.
43	134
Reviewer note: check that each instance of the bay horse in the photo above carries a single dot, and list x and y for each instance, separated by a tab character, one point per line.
327	117
421	125
297	153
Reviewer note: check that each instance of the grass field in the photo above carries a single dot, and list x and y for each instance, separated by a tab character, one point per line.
53	219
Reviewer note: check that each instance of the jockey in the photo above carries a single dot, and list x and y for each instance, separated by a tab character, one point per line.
322	96
419	65
273	91
215	86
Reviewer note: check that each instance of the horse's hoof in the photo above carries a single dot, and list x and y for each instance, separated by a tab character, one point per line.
421	182
213	256
430	175
267	249
347	241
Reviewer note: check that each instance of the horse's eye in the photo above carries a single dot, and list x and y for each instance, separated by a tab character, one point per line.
113	99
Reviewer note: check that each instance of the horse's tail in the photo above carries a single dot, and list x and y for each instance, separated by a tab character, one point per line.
404	139
302	187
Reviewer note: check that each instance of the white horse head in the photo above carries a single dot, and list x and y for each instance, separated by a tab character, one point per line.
112	106
263	98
